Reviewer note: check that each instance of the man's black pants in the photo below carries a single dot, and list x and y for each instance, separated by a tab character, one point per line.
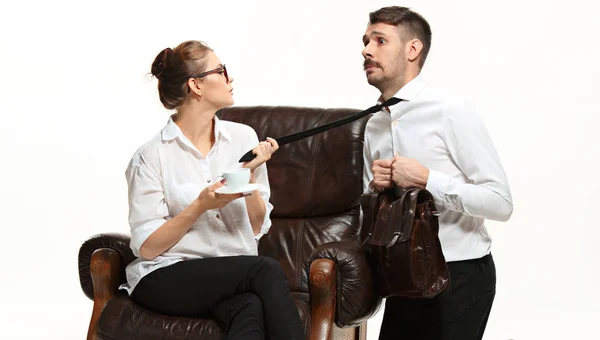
458	313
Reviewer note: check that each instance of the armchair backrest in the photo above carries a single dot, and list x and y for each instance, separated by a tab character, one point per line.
316	183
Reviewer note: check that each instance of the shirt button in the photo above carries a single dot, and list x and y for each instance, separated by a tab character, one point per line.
208	181
218	216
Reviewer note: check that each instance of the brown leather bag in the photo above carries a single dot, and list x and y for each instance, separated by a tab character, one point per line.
400	226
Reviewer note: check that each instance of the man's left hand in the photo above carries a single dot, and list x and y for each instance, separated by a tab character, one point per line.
408	173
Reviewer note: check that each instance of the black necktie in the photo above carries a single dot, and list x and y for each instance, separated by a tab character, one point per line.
307	133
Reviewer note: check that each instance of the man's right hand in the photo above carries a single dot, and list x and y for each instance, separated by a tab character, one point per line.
382	174
212	200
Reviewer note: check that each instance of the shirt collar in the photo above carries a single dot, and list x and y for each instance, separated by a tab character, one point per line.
409	91
172	131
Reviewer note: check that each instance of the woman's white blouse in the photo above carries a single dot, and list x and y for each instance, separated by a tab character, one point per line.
166	174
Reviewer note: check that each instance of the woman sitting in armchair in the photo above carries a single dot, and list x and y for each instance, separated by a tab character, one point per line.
196	247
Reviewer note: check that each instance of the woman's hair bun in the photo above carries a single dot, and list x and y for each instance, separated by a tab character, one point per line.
161	62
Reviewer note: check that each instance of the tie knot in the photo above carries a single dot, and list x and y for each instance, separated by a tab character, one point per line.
391	101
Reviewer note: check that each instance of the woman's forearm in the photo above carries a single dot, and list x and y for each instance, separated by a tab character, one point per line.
171	231
256	208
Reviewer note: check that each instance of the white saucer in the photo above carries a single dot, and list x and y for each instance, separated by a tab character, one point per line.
245	189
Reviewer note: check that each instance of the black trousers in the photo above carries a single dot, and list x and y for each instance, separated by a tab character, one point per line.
247	295
458	313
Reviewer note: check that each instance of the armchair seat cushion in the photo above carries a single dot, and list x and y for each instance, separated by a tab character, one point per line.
122	319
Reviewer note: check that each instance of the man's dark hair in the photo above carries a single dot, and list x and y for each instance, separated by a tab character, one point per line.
411	24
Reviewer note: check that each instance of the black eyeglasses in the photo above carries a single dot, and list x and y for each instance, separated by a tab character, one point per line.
221	70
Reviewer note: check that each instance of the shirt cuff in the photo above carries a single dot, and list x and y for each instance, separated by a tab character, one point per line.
438	184
371	189
140	234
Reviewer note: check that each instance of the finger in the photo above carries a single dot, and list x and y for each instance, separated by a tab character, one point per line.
384	163
385	171
380	170
384	177
267	146
382	184
273	143
257	151
267	150
217	185
377	162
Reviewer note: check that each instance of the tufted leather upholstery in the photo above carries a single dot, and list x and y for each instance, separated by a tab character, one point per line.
316	184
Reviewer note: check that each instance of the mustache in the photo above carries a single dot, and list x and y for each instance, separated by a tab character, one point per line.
370	62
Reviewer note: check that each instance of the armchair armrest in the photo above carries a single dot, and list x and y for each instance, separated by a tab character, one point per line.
355	297
102	262
118	243
104	266
322	290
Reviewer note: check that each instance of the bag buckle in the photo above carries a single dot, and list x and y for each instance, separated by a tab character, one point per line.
397	235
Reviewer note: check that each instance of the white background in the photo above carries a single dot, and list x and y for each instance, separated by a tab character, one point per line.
76	101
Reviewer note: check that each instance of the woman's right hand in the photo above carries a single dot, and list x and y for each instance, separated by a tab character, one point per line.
212	200
263	153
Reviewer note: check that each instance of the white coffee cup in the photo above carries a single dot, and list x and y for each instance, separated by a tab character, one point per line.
237	178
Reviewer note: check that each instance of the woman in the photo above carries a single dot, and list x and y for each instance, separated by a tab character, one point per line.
197	249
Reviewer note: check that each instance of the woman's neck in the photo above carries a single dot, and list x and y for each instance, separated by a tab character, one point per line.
197	126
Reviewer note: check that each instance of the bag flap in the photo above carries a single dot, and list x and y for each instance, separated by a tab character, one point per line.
395	216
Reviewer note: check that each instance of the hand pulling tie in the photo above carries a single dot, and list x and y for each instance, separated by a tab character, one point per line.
310	132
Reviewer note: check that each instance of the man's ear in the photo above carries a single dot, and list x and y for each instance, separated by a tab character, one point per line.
414	48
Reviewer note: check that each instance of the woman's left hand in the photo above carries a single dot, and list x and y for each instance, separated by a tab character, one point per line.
263	153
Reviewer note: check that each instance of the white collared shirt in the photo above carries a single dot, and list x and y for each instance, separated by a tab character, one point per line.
167	174
466	176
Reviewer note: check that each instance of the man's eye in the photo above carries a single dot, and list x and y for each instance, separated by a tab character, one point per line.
381	40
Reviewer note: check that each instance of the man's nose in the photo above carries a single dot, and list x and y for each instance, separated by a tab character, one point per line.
366	52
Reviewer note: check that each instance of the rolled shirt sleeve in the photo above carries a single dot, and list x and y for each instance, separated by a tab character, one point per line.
147	206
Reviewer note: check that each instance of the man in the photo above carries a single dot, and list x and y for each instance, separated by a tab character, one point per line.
434	141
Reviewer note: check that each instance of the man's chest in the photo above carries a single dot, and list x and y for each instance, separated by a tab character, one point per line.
413	134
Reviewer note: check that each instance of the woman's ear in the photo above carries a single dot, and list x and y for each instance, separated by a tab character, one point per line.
194	86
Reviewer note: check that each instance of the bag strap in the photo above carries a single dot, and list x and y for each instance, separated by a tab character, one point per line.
370	207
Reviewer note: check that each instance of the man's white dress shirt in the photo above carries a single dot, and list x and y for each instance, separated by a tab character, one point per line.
466	177
167	174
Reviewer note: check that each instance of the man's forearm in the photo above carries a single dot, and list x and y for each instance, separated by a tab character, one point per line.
479	200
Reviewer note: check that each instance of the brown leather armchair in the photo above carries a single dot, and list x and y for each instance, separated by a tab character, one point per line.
316	185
